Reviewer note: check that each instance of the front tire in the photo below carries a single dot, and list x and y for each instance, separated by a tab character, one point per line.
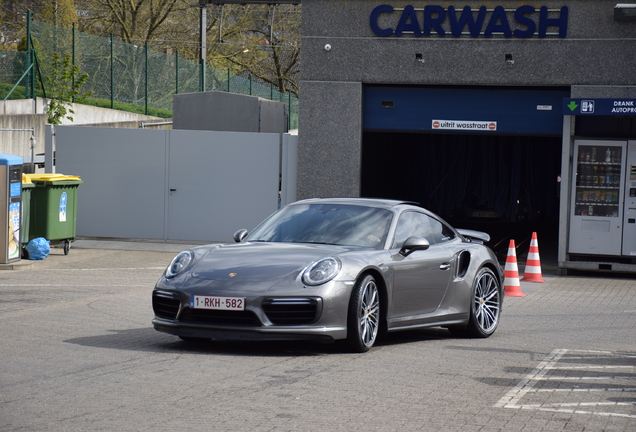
363	319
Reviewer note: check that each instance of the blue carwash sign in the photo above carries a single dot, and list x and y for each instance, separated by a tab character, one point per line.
603	106
523	22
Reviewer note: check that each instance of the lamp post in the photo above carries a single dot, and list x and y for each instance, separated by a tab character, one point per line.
203	25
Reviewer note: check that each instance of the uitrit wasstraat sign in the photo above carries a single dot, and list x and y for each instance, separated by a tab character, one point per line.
467	125
522	22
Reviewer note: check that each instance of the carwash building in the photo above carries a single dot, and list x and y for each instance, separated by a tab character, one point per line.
506	117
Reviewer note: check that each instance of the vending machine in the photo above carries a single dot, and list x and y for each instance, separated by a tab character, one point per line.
629	216
10	201
597	222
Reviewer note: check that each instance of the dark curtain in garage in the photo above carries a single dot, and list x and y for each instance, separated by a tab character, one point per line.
465	177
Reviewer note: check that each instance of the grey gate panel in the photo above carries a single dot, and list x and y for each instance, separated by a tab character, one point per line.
220	182
124	174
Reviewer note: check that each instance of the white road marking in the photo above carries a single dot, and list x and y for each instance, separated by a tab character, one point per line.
510	400
527	386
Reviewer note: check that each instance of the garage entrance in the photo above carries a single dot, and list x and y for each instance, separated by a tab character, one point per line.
504	183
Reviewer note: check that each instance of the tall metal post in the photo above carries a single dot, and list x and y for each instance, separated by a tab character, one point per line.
203	25
29	59
176	72
112	73
146	85
73	59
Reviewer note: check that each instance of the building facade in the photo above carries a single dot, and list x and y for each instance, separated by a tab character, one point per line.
478	110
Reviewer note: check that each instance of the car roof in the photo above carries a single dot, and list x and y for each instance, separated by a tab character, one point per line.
371	202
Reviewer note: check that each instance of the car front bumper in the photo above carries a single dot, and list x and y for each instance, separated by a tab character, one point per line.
265	333
318	314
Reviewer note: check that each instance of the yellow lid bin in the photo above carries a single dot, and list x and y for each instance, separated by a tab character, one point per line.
53	207
50	177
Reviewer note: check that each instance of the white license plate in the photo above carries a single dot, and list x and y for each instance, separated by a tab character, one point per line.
217	303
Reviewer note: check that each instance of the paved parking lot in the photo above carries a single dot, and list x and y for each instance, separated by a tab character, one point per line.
79	353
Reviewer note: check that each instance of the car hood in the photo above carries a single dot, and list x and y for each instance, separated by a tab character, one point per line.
260	262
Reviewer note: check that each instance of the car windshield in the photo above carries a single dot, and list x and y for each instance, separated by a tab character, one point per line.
347	225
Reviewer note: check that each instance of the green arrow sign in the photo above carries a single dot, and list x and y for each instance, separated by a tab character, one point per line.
573	105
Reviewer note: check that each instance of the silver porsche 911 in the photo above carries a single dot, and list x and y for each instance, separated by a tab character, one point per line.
341	269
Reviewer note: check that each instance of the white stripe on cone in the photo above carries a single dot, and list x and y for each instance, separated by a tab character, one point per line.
512	286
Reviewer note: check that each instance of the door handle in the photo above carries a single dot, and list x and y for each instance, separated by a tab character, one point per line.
444	266
173	190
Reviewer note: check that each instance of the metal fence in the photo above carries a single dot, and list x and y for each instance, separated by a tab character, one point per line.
123	73
12	68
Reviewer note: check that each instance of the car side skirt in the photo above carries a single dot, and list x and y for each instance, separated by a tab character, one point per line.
410	323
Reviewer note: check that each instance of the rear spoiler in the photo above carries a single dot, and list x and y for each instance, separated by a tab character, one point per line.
474	236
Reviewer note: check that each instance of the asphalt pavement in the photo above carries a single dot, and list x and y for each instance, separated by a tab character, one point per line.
79	354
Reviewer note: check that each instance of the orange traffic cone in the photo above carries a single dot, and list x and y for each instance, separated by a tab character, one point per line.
532	272
511	273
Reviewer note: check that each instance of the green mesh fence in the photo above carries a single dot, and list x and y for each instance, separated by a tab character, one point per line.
13	64
124	73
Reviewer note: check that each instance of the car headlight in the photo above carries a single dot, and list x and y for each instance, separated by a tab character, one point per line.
179	264
321	271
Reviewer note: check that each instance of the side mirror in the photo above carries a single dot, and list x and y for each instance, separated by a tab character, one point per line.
413	244
239	235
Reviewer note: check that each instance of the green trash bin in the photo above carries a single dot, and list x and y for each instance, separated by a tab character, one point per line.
25	218
54	208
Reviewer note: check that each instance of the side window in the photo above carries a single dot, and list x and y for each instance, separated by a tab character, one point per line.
441	233
412	224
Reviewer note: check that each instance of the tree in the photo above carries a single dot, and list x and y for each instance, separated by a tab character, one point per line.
60	13
12	22
263	41
258	40
132	21
64	84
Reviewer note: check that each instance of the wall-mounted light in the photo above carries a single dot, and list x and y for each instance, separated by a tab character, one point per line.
625	12
509	59
419	57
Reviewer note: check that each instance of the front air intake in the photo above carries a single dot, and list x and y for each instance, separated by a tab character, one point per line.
292	311
165	304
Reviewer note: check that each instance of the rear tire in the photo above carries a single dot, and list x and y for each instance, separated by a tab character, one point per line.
363	319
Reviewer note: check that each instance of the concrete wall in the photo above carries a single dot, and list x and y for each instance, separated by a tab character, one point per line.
597	53
19	142
329	161
588	91
223	111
